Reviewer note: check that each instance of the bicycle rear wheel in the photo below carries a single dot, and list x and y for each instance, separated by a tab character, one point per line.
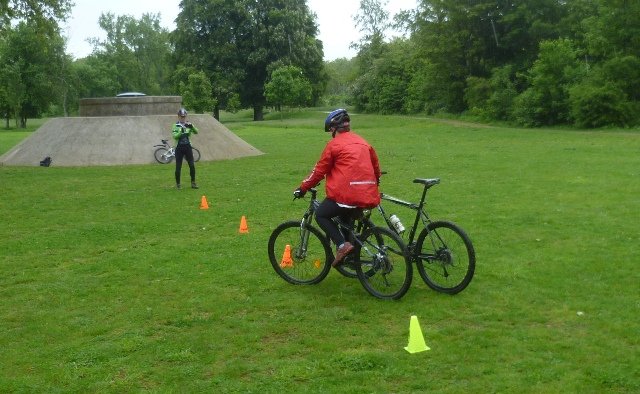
196	154
382	264
445	257
301	256
162	156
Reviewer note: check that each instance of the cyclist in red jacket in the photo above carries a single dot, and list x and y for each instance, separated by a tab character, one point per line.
351	168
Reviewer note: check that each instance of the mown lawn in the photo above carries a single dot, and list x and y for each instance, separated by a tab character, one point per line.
113	281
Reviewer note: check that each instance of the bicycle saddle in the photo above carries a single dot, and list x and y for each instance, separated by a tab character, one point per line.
428	182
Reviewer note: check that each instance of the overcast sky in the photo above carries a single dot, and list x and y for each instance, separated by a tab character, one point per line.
335	22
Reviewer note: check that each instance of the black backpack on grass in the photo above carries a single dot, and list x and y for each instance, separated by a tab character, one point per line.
46	162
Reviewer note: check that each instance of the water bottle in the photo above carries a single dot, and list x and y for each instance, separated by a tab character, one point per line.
397	224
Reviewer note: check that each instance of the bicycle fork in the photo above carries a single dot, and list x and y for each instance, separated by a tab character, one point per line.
301	250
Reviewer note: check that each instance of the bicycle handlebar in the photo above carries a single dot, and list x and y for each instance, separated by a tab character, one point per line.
313	192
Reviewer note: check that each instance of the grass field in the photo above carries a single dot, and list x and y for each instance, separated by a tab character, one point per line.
113	281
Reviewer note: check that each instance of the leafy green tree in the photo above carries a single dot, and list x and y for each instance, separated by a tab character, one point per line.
383	88
138	50
287	87
546	101
96	77
12	90
614	29
340	73
503	92
30	71
608	95
25	90
196	94
599	105
237	43
457	42
491	98
45	14
476	95
372	22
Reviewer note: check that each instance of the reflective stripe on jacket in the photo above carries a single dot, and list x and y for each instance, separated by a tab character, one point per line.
351	168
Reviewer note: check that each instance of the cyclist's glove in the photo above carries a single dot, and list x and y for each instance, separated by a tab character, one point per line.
298	193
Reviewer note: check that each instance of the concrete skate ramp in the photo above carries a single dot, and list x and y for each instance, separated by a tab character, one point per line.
120	140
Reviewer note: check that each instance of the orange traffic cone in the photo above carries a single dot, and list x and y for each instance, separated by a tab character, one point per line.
203	203
243	225
286	258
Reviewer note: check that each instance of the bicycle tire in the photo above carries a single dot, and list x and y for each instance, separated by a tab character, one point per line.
196	154
305	267
382	264
347	269
160	155
447	261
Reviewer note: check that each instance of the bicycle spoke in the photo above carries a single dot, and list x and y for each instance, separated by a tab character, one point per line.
446	259
384	270
299	257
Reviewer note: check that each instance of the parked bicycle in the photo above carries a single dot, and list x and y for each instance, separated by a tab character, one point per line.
301	254
165	153
443	252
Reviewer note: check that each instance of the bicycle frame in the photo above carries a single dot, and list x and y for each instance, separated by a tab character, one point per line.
420	213
361	223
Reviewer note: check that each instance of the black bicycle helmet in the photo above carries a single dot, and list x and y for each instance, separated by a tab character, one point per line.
337	119
182	112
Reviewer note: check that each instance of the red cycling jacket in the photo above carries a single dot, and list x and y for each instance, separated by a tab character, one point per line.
352	170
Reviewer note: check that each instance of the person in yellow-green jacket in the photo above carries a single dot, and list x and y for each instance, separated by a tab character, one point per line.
181	132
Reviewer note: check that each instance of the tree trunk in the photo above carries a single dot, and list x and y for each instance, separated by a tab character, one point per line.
216	112
64	104
257	113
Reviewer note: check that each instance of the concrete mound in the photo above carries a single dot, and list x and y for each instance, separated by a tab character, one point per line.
120	140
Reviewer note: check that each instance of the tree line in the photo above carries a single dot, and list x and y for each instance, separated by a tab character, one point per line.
221	54
530	62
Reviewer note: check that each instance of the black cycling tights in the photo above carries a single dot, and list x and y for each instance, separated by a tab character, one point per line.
185	151
329	209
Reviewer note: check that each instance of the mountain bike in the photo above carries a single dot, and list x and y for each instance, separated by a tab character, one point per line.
443	253
301	254
165	153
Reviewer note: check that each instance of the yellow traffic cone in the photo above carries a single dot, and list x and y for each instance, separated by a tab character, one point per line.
416	340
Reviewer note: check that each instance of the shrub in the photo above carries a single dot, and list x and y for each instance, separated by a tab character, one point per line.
601	105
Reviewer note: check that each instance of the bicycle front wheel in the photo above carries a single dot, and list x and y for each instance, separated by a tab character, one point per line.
301	256
162	156
382	264
196	154
445	257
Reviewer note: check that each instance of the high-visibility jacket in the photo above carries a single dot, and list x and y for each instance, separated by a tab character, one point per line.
352	170
181	132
